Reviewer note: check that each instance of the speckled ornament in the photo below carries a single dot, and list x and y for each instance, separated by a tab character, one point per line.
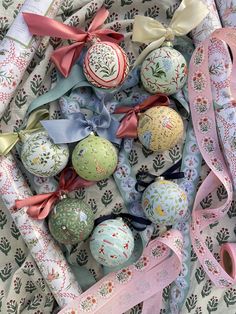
106	65
94	158
160	128
164	202
42	157
71	221
164	70
112	243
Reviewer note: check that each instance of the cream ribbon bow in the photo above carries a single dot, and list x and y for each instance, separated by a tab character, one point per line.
149	31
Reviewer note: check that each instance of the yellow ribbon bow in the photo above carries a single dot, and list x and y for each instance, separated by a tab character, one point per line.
9	140
151	32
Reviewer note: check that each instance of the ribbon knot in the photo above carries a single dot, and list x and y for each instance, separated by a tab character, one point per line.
39	206
65	57
151	32
9	140
129	123
77	127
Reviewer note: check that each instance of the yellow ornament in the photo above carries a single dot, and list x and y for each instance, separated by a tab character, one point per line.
160	128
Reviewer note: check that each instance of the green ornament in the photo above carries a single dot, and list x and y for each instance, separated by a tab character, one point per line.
71	221
94	158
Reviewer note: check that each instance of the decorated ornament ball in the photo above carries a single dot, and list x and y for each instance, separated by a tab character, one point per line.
94	158
164	70
71	221
106	65
160	128
164	202
42	157
112	243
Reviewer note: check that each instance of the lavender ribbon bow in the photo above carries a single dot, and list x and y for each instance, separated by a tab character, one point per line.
77	127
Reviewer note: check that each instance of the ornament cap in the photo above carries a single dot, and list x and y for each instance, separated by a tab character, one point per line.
168	44
159	179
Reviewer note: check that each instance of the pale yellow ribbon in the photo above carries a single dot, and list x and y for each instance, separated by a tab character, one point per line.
151	32
9	140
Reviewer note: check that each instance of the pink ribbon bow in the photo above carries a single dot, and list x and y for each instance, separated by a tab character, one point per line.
40	205
129	124
66	56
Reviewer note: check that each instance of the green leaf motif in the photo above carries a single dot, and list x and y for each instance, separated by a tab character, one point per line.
108	3
1	297
174	154
12	306
30	286
7	115
212	304
193	255
93	205
5	273
35	302
7	3
67	8
126	2
230	297
107	197
158	162
80	193
117	208
191	302
166	293
15	231
102	183
200	274
5	246
157	71
209	243
133	157
221	193
232	210
206	289
171	10
207	201
28	268
82	258
49	300
3	219
35	84
146	152
222	236
17	285
19	257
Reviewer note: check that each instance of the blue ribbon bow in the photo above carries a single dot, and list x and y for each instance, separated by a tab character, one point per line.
77	127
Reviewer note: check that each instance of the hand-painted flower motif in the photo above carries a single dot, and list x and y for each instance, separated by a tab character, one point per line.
204	124
201	104
142	263
217	164
199	81
178	244
199	247
224	283
124	275
122	171
199	55
208	144
211	267
106	289
88	303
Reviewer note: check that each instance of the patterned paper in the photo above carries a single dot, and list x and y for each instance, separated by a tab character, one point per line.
46	253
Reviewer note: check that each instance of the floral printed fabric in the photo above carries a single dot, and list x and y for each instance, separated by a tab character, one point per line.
22	288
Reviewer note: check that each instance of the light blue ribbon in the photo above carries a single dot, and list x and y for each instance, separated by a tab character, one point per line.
77	127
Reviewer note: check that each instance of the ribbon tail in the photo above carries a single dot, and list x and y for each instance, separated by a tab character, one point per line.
110	133
7	142
66	56
66	130
32	200
128	126
154	45
99	19
46	208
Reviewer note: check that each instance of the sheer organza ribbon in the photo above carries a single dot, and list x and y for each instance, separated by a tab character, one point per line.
129	123
39	206
66	56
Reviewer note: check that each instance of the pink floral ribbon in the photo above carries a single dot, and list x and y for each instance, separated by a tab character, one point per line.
203	116
143	281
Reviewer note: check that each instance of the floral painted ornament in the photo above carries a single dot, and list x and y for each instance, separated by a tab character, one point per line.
112	243
164	202
164	69
42	157
94	158
71	221
160	128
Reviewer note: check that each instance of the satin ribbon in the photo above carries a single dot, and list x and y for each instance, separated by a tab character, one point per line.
39	206
9	140
66	56
151	32
129	124
78	127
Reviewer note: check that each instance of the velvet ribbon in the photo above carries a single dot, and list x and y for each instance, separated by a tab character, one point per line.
129	123
39	206
9	140
65	57
77	127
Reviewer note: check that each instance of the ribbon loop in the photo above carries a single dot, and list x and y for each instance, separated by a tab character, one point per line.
39	206
9	140
129	123
149	31
66	56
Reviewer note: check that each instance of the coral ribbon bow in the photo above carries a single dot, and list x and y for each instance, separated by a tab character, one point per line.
39	206
66	56
129	124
